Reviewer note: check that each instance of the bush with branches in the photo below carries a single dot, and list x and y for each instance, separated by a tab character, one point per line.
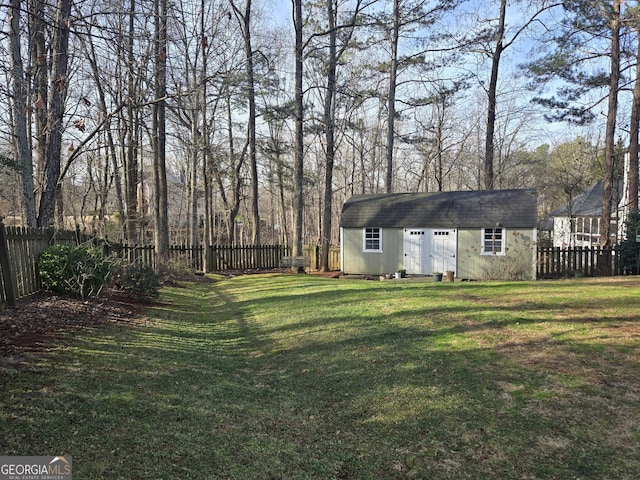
80	270
137	279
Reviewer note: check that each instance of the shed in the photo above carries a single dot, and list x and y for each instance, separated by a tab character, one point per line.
475	234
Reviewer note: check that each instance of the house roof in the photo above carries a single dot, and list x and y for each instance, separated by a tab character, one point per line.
475	209
589	202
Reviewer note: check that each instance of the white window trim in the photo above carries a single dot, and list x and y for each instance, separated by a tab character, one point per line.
503	250
364	241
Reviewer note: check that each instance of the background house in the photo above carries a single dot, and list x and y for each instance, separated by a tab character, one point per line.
478	234
577	223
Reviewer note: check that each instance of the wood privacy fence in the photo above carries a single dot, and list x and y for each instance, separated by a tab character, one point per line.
224	257
19	251
554	262
20	248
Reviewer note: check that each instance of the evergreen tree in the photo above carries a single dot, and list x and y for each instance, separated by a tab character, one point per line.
629	248
589	32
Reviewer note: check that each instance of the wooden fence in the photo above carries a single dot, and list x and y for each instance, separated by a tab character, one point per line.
224	257
20	247
555	262
19	250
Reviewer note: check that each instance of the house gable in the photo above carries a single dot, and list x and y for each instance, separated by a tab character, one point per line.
587	203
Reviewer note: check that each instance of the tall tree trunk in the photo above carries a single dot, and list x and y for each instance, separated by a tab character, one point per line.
20	97
282	202
391	101
195	150
236	162
299	134
612	110
159	133
207	230
131	153
633	134
60	84
193	208
329	127
245	24
439	168
40	76
489	152
204	142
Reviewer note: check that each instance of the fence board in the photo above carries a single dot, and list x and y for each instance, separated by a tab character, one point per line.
8	294
21	249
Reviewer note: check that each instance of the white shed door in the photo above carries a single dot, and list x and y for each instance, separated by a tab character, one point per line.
416	250
429	250
443	250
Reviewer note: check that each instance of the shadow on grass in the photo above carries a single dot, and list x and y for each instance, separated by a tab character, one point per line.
268	379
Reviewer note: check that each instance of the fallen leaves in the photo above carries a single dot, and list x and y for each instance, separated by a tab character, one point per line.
36	321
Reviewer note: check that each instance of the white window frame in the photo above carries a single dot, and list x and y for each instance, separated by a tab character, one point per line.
503	241
377	231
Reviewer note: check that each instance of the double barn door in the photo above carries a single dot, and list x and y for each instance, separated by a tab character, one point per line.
428	250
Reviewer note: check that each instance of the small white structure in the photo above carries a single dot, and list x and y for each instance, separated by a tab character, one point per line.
577	224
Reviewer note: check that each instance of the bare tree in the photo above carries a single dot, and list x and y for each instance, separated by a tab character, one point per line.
89	49
335	54
40	77
244	19
391	99
299	132
612	112
20	88
406	17
130	144
494	41
159	135
56	106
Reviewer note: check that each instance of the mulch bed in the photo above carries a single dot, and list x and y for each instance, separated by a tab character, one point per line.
37	320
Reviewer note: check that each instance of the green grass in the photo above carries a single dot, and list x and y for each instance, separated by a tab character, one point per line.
297	377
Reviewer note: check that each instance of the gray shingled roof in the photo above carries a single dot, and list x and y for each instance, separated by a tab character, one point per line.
476	209
589	202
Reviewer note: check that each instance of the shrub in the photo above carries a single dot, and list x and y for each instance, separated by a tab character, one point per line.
80	270
629	248
138	279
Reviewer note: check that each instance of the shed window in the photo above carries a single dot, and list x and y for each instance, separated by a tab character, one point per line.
493	241
372	239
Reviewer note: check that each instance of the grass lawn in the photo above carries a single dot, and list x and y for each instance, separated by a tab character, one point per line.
299	377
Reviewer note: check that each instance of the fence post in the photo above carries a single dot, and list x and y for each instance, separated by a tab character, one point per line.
9	281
